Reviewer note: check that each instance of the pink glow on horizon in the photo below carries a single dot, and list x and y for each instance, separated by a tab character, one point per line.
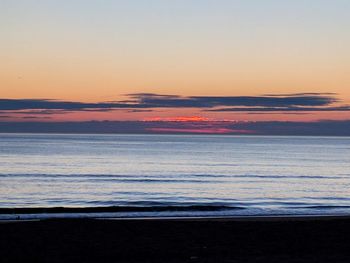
204	130
178	119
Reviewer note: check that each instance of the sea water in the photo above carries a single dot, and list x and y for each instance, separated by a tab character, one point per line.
180	175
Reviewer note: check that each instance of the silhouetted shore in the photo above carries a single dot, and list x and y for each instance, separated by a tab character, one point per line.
301	239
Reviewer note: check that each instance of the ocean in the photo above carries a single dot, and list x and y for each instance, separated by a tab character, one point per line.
177	175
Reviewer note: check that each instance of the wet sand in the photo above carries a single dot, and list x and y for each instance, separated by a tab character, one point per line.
269	239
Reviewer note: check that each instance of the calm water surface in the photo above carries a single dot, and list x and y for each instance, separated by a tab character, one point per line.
230	175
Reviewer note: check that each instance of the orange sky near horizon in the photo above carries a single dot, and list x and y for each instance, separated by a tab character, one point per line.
94	52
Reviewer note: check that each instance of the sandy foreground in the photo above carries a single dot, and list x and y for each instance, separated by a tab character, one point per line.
246	239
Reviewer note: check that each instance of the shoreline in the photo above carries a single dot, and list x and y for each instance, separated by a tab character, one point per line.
165	213
238	218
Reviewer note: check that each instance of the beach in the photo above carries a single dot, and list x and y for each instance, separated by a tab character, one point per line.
174	198
237	239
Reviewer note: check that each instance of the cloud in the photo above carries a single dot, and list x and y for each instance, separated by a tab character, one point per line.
24	117
174	101
302	94
49	104
148	101
275	113
35	117
318	128
35	112
199	131
179	119
282	109
139	110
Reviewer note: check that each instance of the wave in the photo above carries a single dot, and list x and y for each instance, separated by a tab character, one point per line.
109	209
172	177
326	207
159	206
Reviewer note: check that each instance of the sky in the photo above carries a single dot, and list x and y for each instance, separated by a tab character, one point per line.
165	60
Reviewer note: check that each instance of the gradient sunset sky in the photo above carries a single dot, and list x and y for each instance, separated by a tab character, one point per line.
191	60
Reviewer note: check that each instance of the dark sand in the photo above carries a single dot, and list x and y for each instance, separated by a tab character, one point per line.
193	240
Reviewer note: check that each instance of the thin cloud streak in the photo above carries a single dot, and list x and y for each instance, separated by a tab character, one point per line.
275	109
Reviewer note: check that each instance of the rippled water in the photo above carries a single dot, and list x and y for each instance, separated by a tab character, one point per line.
221	174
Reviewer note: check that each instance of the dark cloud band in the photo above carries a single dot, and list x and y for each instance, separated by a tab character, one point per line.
319	128
139	101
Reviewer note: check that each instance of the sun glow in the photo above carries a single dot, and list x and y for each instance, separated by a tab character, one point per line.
179	119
